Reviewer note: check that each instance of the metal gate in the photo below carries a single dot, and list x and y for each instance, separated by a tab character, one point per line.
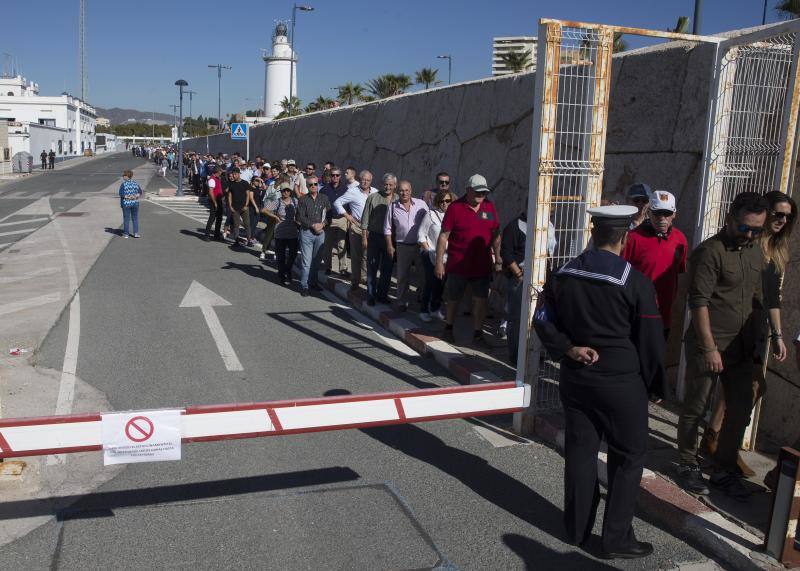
573	81
753	106
751	142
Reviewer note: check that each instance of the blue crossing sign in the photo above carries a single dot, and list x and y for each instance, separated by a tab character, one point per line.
238	131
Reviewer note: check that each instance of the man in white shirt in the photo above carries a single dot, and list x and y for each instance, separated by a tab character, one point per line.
354	199
296	179
351	177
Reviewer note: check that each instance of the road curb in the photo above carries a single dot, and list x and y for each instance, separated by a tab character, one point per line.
661	500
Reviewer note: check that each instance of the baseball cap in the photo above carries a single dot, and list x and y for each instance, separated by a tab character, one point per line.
290	162
639	189
267	166
285	186
478	183
662	200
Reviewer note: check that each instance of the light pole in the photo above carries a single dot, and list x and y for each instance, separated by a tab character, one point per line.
174	118
191	128
295	8
181	84
154	125
449	59
697	20
219	67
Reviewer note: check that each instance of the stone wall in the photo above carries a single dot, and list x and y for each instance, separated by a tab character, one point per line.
657	120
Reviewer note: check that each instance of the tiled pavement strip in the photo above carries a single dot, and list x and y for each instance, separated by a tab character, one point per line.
681	513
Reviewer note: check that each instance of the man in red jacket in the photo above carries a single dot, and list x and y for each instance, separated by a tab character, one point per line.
658	250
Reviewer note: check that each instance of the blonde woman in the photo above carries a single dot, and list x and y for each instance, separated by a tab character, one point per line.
781	217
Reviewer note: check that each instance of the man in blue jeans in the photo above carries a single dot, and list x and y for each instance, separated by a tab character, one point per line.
312	210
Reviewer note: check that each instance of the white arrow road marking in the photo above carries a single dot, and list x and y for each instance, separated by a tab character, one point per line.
28	275
202	297
7	308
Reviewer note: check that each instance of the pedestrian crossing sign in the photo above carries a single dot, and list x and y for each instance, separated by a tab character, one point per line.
238	131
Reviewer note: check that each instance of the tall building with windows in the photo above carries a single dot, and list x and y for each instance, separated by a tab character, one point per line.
513	44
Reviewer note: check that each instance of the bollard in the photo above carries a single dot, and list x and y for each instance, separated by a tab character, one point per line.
782	540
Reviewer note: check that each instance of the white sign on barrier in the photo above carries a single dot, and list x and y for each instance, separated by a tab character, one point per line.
149	436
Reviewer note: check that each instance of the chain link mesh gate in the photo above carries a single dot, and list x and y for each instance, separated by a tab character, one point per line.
751	143
573	81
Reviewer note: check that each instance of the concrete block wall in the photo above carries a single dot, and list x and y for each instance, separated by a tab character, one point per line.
656	127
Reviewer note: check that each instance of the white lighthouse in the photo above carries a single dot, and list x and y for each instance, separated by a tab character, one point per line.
278	70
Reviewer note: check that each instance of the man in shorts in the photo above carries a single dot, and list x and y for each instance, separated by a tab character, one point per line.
470	232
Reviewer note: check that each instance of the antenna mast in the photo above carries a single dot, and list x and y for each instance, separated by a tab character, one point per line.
82	48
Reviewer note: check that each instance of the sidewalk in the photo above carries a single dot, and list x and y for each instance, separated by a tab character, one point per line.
730	530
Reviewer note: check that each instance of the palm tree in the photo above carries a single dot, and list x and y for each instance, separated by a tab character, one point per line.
289	110
319	104
388	85
682	27
517	61
620	45
350	92
426	76
788	9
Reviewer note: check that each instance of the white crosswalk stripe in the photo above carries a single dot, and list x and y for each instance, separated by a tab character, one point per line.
197	211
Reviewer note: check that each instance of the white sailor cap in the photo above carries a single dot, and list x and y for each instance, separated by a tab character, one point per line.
616	215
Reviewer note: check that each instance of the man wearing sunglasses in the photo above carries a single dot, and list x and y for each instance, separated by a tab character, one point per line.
724	298
638	195
442	183
658	250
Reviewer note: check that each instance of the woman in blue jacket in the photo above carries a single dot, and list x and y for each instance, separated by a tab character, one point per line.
129	194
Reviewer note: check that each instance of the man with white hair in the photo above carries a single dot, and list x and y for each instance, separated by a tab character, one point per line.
355	199
373	241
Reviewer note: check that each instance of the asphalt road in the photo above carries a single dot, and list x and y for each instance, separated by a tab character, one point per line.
405	497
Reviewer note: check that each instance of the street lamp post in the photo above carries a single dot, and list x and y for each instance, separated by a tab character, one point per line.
219	67
181	84
449	59
191	127
295	8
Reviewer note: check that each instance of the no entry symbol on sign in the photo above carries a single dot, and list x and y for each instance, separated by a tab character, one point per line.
139	428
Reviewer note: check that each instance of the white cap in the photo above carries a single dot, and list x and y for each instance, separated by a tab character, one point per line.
618	215
662	200
478	183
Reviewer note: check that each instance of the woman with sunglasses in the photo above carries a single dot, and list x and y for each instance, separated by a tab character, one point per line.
428	236
774	241
282	211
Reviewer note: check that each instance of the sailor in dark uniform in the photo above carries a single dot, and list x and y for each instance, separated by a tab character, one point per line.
600	320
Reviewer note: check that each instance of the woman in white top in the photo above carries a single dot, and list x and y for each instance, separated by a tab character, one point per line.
428	235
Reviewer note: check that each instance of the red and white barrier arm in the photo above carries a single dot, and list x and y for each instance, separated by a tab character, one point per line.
82	432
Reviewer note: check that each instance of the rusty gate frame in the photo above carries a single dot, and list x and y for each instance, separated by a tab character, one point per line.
543	171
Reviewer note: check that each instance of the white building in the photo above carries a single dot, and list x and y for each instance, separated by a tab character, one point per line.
277	72
62	123
513	44
103	122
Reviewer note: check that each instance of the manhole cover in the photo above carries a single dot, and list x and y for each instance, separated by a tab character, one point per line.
357	527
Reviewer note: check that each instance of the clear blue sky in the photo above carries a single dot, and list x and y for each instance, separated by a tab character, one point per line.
134	57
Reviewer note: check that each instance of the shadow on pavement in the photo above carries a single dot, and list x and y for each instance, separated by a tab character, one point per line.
536	556
100	504
293	320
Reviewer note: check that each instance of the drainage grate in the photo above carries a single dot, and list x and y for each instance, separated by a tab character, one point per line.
71	214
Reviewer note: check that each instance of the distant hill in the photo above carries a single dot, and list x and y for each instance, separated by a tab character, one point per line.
119	116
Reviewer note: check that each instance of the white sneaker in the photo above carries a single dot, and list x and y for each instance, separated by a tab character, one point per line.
262	256
439	314
426	317
137	235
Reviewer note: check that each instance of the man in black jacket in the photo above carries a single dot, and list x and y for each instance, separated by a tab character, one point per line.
600	320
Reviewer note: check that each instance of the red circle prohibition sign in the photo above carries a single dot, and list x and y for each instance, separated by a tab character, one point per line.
139	428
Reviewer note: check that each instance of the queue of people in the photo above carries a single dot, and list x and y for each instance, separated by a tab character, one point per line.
605	316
